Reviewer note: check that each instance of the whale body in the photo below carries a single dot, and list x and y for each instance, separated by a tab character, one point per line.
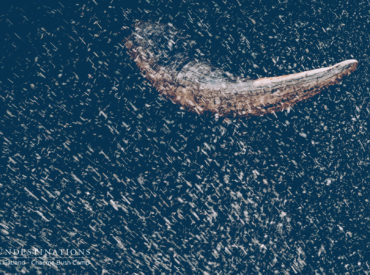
164	57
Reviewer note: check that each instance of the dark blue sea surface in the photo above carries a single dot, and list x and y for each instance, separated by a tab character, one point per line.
95	162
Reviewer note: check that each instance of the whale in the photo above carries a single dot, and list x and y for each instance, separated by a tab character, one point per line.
166	57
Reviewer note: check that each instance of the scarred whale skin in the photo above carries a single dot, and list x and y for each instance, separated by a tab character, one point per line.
198	87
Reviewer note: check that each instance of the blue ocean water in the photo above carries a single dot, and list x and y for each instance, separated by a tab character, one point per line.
94	159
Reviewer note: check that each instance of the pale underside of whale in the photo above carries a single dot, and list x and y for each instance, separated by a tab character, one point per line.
198	87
